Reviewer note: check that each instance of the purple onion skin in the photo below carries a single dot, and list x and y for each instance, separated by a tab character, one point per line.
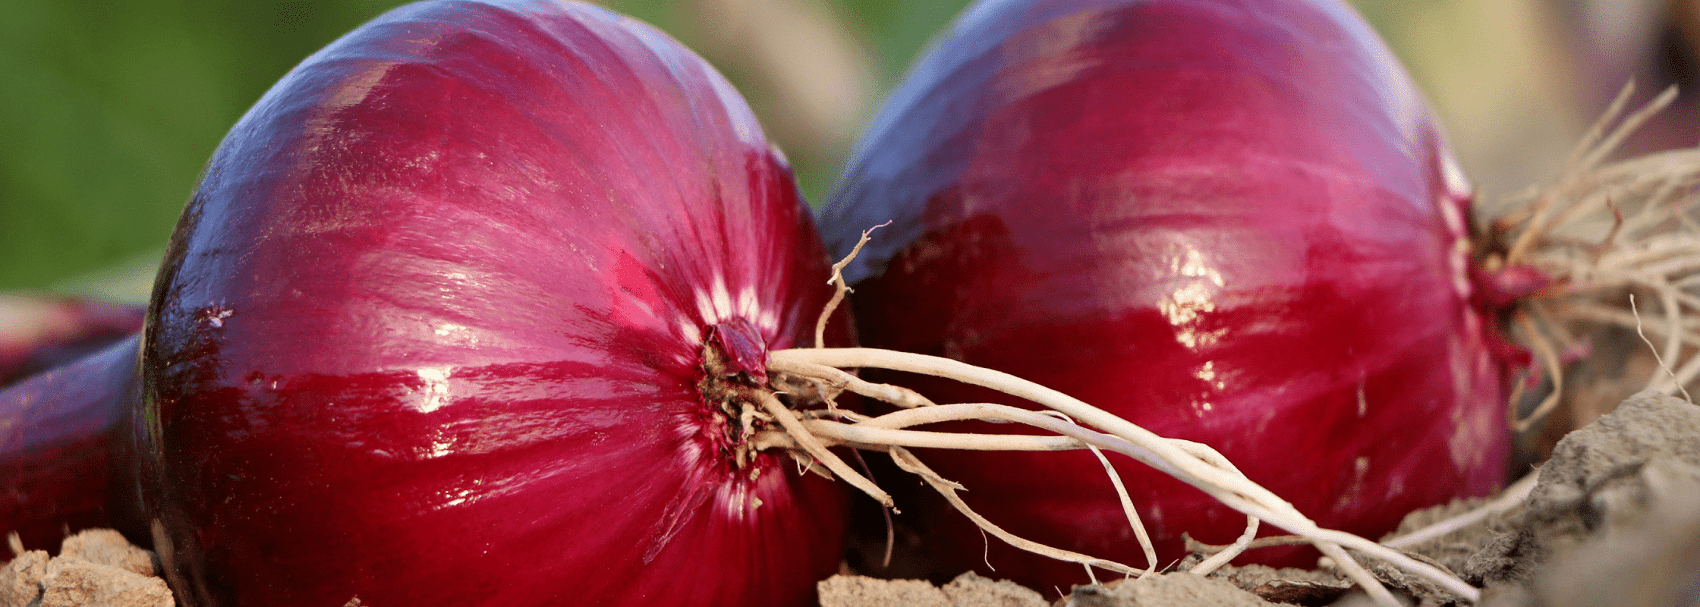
40	332
67	382
430	330
1231	222
65	456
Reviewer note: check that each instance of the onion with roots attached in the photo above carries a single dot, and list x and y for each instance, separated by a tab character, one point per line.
1229	222
464	311
500	302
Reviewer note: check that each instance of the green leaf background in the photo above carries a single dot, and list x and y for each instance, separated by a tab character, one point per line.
109	108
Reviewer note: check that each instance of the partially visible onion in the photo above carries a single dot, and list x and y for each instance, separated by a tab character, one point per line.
450	317
40	332
65	457
1228	222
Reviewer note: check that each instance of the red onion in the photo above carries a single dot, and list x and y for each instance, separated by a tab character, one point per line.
433	330
40	332
65	458
1229	222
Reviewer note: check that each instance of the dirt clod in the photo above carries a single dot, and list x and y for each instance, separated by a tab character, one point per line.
20	579
1300	592
1168	589
1600	477
73	582
95	568
858	591
1653	559
1273	581
108	547
971	590
1453	549
967	590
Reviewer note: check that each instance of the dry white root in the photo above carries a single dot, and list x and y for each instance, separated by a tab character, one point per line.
1073	424
1644	207
1193	463
1508	499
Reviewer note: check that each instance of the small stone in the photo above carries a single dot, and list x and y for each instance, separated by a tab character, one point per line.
972	590
108	547
1166	589
20	579
74	582
858	591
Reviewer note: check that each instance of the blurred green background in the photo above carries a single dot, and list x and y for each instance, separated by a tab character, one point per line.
108	109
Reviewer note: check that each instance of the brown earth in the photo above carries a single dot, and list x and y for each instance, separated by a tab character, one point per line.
95	568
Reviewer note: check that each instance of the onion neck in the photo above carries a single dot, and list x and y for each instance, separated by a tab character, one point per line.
735	385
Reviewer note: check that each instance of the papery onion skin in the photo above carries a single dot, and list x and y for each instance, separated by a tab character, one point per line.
430	329
1232	222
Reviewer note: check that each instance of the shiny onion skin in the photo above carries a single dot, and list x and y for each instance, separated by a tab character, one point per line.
1229	221
431	328
67	382
65	456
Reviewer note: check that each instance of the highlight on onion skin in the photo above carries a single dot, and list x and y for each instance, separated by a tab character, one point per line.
439	323
1237	225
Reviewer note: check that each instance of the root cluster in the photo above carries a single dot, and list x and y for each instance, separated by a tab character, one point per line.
1067	424
1600	234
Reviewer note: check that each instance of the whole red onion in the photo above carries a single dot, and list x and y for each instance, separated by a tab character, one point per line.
433	329
1232	222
